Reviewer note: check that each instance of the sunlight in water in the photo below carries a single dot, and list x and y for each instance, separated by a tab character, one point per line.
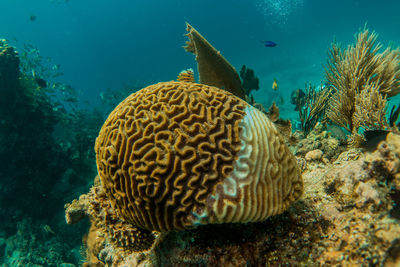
278	11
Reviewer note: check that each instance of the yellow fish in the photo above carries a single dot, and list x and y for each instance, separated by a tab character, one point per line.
275	85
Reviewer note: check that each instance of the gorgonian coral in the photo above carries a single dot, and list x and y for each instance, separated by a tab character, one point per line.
352	71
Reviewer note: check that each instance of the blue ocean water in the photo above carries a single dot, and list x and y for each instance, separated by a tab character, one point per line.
102	44
105	44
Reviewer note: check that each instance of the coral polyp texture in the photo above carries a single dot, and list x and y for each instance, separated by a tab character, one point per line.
175	155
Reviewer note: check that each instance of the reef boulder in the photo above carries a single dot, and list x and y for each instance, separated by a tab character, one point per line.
179	154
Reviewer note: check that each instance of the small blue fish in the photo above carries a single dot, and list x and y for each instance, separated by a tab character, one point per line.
268	43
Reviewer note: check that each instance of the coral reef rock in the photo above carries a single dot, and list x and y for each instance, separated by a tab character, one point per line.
318	139
348	216
34	245
314	155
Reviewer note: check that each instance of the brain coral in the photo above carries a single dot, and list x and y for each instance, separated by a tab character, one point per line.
179	154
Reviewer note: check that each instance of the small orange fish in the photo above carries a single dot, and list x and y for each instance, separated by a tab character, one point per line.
275	85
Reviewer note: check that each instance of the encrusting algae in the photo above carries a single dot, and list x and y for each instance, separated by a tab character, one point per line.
183	165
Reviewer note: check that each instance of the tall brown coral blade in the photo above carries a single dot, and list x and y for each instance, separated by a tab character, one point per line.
214	69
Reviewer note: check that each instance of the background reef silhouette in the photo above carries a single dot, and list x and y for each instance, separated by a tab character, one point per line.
47	158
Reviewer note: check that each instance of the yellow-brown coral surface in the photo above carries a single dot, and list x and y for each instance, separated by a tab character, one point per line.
178	154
